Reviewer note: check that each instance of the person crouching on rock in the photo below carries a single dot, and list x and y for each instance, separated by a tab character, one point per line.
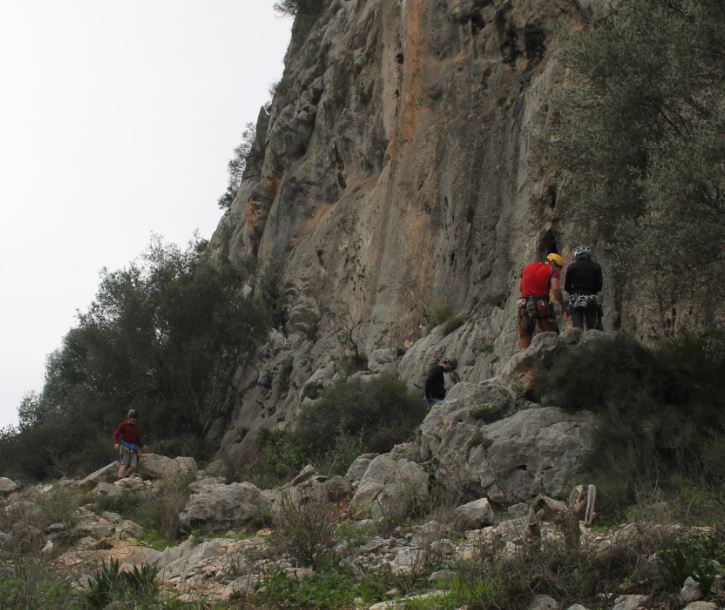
127	441
435	385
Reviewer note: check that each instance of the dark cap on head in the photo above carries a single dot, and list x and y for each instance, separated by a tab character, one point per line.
451	361
132	414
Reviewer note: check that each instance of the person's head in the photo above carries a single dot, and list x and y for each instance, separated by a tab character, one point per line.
555	259
132	415
450	364
582	253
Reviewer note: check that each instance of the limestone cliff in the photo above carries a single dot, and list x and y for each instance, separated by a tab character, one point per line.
398	170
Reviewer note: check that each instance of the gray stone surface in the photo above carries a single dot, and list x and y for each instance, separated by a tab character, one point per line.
629	602
535	450
222	507
107	474
357	469
128	529
543	602
157	466
390	488
474	515
7	486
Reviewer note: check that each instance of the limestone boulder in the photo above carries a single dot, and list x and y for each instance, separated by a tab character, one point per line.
520	371
357	469
7	486
474	515
223	507
156	466
107	474
535	450
390	488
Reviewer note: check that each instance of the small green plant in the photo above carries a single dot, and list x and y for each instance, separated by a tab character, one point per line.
327	589
320	253
487	347
443	315
682	562
110	583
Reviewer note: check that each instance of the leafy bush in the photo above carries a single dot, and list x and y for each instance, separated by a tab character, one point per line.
444	315
31	582
380	413
662	411
639	131
306	529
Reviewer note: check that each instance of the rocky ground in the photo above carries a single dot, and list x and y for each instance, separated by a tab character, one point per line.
384	518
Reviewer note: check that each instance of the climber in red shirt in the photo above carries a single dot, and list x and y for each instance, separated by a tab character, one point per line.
127	441
539	282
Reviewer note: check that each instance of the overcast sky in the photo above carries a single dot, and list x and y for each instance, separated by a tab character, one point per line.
117	118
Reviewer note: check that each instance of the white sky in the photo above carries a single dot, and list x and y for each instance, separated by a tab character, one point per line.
117	119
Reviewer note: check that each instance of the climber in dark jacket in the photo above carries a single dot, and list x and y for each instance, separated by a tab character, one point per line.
435	385
583	281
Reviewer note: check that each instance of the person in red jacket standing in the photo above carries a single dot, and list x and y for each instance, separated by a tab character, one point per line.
539	282
127	441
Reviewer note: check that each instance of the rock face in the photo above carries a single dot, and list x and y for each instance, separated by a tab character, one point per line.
535	450
397	171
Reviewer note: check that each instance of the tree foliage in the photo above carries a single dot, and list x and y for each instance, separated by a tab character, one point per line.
237	164
163	336
643	113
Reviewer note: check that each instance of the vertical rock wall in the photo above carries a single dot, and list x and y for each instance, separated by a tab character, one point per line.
400	171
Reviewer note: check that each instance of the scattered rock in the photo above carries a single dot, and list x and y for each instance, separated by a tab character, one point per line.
629	602
299	574
157	466
338	488
691	590
441	576
107	474
7	486
474	515
48	548
129	530
108	489
222	507
390	488
357	469
543	602
701	606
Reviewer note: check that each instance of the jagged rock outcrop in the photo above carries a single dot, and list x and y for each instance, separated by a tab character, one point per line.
396	170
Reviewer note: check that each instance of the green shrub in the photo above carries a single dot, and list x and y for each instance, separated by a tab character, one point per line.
31	582
443	315
306	529
698	560
328	589
661	411
380	412
111	584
